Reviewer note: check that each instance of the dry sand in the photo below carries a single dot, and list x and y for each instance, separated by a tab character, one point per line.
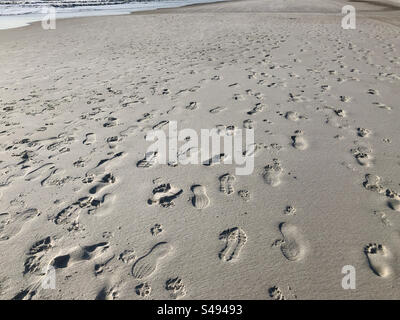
77	102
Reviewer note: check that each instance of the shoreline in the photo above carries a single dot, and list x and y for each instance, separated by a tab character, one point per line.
385	7
111	14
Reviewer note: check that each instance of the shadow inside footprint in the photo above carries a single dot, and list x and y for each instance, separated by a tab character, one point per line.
200	200
61	262
292	247
378	259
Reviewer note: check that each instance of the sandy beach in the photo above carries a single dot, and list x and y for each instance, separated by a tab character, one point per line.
85	206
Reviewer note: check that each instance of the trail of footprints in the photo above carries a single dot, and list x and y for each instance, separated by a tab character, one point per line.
98	197
293	246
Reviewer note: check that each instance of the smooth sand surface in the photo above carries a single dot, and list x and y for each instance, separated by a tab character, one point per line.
77	194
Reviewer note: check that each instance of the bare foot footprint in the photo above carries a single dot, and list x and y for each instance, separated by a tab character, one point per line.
226	183
363	155
235	239
200	199
272	173
373	183
292	247
146	265
298	140
379	259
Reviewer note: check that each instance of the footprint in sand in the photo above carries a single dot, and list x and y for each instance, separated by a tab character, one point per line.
373	183
394	204
103	206
276	293
344	98
112	141
111	122
127	256
235	239
131	130
226	183
382	106
11	225
56	177
156	229
164	195
217	109
68	214
325	88
146	117
100	167
28	293
363	155
79	254
373	92
176	288
104	182
108	293
100	207
191	106
39	172
244	195
272	173
379	259
146	265
36	255
253	149
160	125
292	116
248	124
290	210
258	108
298	140
187	155
340	113
200	199
149	160
293	246
103	266
362	132
217	159
223	130
90	139
143	290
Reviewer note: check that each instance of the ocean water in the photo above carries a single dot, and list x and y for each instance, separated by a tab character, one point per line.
17	13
